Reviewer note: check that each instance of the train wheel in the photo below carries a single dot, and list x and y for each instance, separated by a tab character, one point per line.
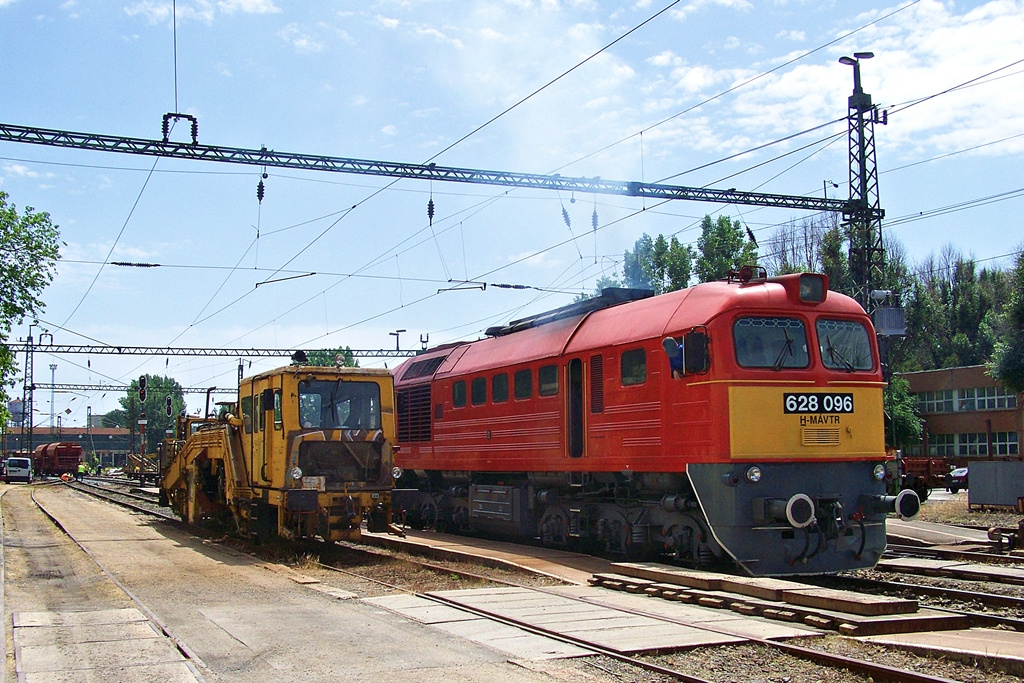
554	527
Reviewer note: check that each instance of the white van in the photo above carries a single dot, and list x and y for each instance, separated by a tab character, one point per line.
18	469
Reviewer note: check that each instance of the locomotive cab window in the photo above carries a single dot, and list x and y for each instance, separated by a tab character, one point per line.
326	404
459	393
633	366
247	414
770	342
478	391
523	384
499	388
844	345
547	380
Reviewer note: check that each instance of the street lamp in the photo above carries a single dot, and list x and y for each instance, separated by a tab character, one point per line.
859	100
395	335
825	184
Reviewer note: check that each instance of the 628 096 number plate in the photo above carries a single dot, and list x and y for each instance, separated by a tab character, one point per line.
817	403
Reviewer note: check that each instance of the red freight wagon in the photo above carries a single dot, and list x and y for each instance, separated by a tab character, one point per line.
55	459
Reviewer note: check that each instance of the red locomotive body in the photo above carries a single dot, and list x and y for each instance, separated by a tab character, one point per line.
55	459
736	421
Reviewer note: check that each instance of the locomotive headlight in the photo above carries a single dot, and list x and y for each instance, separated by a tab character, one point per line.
754	474
296	473
878	473
397	472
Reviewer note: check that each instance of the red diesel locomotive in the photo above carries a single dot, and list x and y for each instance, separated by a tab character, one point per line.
734	423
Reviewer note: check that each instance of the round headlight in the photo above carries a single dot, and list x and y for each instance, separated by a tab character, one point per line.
296	473
397	472
878	473
754	474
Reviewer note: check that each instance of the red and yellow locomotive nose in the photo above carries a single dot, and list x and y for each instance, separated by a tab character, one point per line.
790	422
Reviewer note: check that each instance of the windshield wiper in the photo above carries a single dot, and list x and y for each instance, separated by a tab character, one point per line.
837	355
787	350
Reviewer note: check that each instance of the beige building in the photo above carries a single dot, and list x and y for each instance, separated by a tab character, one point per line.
967	414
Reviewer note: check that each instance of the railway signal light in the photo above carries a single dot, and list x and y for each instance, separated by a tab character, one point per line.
169	406
142	388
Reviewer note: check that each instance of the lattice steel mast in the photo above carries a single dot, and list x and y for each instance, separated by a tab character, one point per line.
864	216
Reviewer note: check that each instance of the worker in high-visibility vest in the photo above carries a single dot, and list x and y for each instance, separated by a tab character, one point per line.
81	471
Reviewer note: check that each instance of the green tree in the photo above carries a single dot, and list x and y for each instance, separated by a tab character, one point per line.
1007	363
722	246
952	313
29	250
155	409
903	426
661	264
329	358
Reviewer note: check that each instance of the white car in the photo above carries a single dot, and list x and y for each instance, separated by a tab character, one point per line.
18	469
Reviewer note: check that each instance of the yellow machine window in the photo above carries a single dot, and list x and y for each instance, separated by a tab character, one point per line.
247	413
326	404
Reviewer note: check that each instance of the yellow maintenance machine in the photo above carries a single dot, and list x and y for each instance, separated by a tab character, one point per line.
305	452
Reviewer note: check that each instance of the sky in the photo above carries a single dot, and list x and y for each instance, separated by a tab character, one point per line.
689	93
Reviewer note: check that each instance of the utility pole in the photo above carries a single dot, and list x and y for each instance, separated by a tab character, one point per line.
53	376
867	255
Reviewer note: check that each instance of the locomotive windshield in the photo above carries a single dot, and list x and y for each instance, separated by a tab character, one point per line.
844	345
770	342
325	404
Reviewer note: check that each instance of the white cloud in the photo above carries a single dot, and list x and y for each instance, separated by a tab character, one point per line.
387	22
795	36
159	12
439	37
300	40
665	58
248	6
389	130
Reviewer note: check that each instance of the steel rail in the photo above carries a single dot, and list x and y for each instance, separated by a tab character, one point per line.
315	162
946	553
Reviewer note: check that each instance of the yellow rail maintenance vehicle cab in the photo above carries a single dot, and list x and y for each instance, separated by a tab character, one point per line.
306	452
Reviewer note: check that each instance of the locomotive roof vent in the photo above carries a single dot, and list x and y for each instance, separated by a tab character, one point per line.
610	296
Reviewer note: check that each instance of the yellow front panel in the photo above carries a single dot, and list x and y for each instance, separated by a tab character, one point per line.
835	422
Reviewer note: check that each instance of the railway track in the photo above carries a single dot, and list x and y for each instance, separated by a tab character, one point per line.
861	669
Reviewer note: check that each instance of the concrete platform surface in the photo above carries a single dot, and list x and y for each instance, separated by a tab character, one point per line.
1007	646
929	533
561	564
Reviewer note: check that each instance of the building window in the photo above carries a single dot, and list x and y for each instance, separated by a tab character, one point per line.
935	402
941	444
547	380
459	393
1005	443
523	384
973	444
633	367
986	398
478	391
499	388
